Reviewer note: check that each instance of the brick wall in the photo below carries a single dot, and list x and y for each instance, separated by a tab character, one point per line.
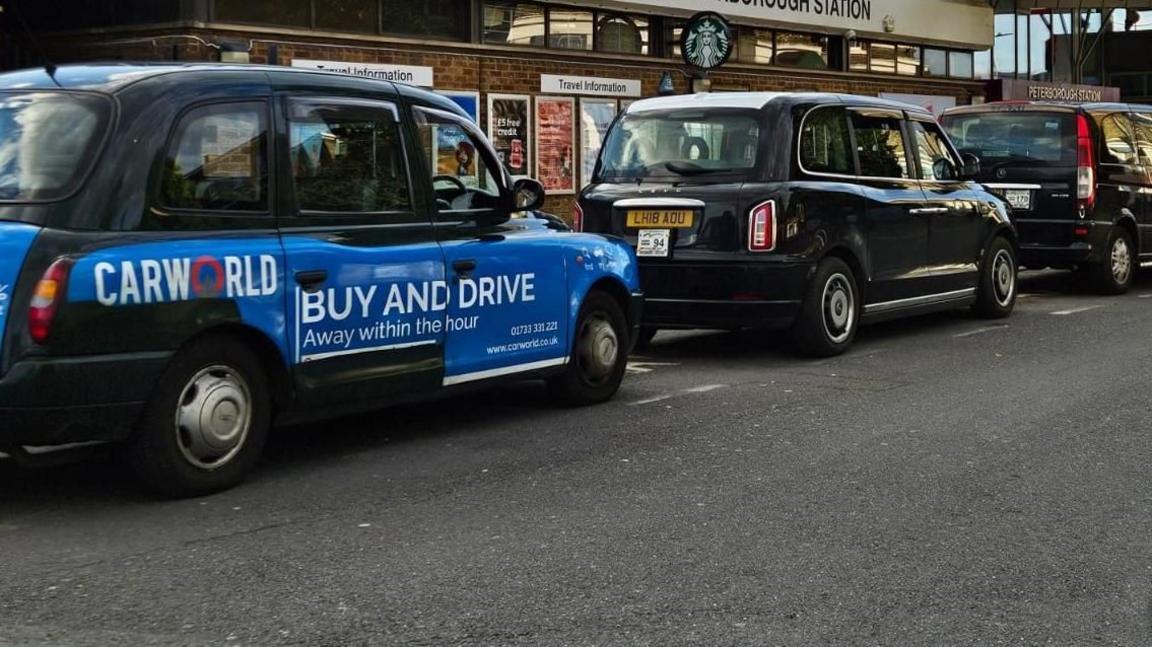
472	68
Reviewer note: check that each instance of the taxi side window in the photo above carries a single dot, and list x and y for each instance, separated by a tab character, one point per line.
936	159
1142	123
217	159
824	144
1116	139
464	177
347	157
880	145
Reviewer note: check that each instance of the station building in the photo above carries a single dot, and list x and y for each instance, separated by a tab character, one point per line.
572	64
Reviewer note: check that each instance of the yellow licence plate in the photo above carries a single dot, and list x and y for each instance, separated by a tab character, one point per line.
660	218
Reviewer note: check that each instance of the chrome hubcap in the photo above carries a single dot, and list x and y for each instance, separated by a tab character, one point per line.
1004	277
839	308
213	417
599	348
1121	260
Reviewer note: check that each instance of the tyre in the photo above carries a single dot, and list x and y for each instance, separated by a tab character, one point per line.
204	426
599	354
647	334
830	314
996	293
1114	275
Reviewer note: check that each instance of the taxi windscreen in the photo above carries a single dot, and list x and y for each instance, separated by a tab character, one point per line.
678	145
1044	138
47	143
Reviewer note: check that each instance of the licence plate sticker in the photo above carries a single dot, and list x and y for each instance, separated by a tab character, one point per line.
660	218
653	242
1018	198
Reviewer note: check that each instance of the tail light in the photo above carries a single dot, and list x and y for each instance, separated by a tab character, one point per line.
47	298
1085	164
762	227
577	217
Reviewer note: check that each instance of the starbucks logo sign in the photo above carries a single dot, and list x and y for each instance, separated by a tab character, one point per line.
706	41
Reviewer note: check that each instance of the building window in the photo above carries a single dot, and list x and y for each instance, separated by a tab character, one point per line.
569	29
982	62
437	18
907	60
935	62
808	51
754	46
290	13
513	23
858	56
672	31
621	34
883	58
960	65
348	15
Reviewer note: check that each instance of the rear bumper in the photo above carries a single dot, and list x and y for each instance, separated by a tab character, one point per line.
52	401
1053	243
724	295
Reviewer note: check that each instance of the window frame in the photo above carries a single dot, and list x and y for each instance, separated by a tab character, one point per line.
883	113
292	204
270	200
927	124
484	150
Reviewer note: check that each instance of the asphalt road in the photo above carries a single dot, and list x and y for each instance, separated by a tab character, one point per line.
950	481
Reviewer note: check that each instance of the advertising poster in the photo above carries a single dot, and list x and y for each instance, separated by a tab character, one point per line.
595	117
555	144
455	154
469	101
509	128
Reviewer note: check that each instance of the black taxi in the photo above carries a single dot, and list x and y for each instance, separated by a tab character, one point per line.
190	253
813	212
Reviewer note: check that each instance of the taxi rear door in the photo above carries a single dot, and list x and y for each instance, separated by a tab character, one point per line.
366	273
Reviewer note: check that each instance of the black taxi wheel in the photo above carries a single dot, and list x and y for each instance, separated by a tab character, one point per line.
1116	271
830	314
599	354
205	424
996	294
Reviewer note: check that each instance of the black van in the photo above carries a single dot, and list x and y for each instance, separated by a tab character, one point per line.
809	211
1078	178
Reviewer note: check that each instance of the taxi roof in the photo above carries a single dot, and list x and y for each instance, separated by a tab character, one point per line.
112	77
762	100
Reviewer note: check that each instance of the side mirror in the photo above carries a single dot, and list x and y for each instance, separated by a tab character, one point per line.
971	166
527	194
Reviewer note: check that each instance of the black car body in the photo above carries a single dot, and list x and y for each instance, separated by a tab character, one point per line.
1078	178
756	192
191	252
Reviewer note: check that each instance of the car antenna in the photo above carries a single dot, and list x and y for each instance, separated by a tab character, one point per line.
49	66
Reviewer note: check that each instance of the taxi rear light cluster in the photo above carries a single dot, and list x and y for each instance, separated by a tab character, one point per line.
46	300
577	217
762	227
1085	164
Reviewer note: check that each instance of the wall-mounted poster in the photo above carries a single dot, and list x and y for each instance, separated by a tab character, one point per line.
556	144
595	117
469	101
510	129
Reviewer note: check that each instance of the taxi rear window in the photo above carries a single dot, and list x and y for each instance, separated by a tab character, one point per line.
47	143
995	137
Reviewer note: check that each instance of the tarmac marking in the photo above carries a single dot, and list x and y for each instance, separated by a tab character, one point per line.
980	331
1073	311
1144	296
668	396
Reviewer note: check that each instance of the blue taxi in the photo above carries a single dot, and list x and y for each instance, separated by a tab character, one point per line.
190	254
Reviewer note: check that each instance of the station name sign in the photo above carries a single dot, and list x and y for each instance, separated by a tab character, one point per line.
1024	90
967	24
594	86
409	74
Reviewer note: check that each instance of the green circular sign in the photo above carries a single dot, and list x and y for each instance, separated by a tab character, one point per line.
706	41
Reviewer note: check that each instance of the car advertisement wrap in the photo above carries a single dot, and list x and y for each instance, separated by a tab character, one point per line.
247	273
15	241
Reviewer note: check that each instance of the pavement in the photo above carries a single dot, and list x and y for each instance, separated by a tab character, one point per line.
949	481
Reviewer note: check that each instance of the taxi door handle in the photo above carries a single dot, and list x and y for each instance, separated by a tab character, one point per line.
928	211
310	280
464	268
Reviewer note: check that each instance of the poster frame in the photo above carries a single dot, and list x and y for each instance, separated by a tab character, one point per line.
529	127
572	138
586	176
